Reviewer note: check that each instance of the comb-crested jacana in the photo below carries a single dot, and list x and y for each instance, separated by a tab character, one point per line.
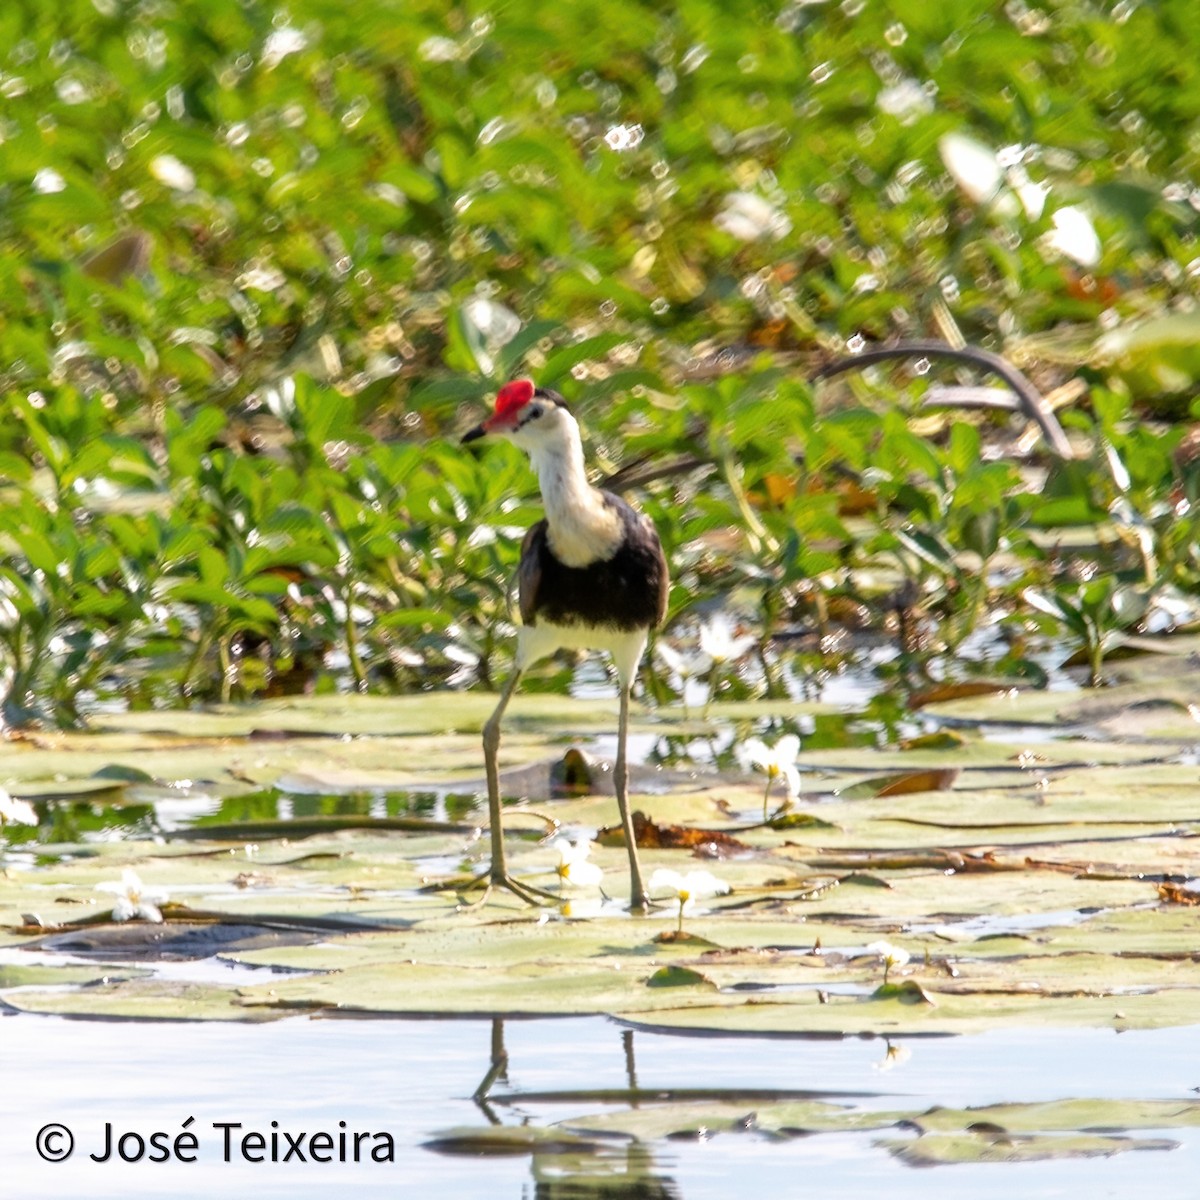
592	576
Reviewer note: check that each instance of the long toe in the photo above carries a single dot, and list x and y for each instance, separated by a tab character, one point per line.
529	893
536	896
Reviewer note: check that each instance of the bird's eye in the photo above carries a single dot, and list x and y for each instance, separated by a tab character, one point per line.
535	410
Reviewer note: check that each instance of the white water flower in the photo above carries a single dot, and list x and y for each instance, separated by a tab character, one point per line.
997	178
134	902
280	43
749	217
972	165
718	642
775	762
14	811
891	956
1074	236
684	664
687	889
48	181
687	664
1031	194
172	173
573	868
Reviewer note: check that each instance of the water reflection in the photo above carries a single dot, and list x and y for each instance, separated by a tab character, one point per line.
142	809
628	1174
558	1170
152	812
420	1079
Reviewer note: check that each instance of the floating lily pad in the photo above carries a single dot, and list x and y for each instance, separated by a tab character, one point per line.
988	1147
1002	1133
1030	893
676	976
506	1140
671	1117
145	1000
14	975
173	940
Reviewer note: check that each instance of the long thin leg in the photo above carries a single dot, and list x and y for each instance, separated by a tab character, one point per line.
498	875
638	899
491	749
497	1069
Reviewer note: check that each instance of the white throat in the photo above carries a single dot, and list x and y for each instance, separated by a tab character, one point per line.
582	528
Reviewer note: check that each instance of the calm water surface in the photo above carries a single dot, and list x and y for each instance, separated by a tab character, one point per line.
416	1078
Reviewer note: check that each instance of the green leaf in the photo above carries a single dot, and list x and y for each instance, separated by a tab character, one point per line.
676	976
558	365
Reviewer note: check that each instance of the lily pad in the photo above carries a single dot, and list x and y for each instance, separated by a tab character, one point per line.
987	1147
1030	893
1002	1133
671	1117
676	976
506	1140
174	940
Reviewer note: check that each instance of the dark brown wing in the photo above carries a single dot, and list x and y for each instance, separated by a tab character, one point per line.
529	571
627	591
641	561
664	576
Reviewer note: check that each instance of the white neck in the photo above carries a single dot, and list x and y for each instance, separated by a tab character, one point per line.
583	529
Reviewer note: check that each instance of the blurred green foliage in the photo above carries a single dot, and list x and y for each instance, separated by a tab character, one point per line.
262	260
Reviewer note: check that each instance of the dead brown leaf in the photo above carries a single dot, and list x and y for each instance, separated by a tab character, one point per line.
652	836
1176	893
954	691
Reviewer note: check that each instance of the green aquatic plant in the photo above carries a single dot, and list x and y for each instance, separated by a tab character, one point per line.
890	956
252	293
1095	614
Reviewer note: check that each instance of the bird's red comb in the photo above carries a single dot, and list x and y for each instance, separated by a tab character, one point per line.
513	396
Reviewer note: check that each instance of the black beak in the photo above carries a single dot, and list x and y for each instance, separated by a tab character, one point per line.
473	435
